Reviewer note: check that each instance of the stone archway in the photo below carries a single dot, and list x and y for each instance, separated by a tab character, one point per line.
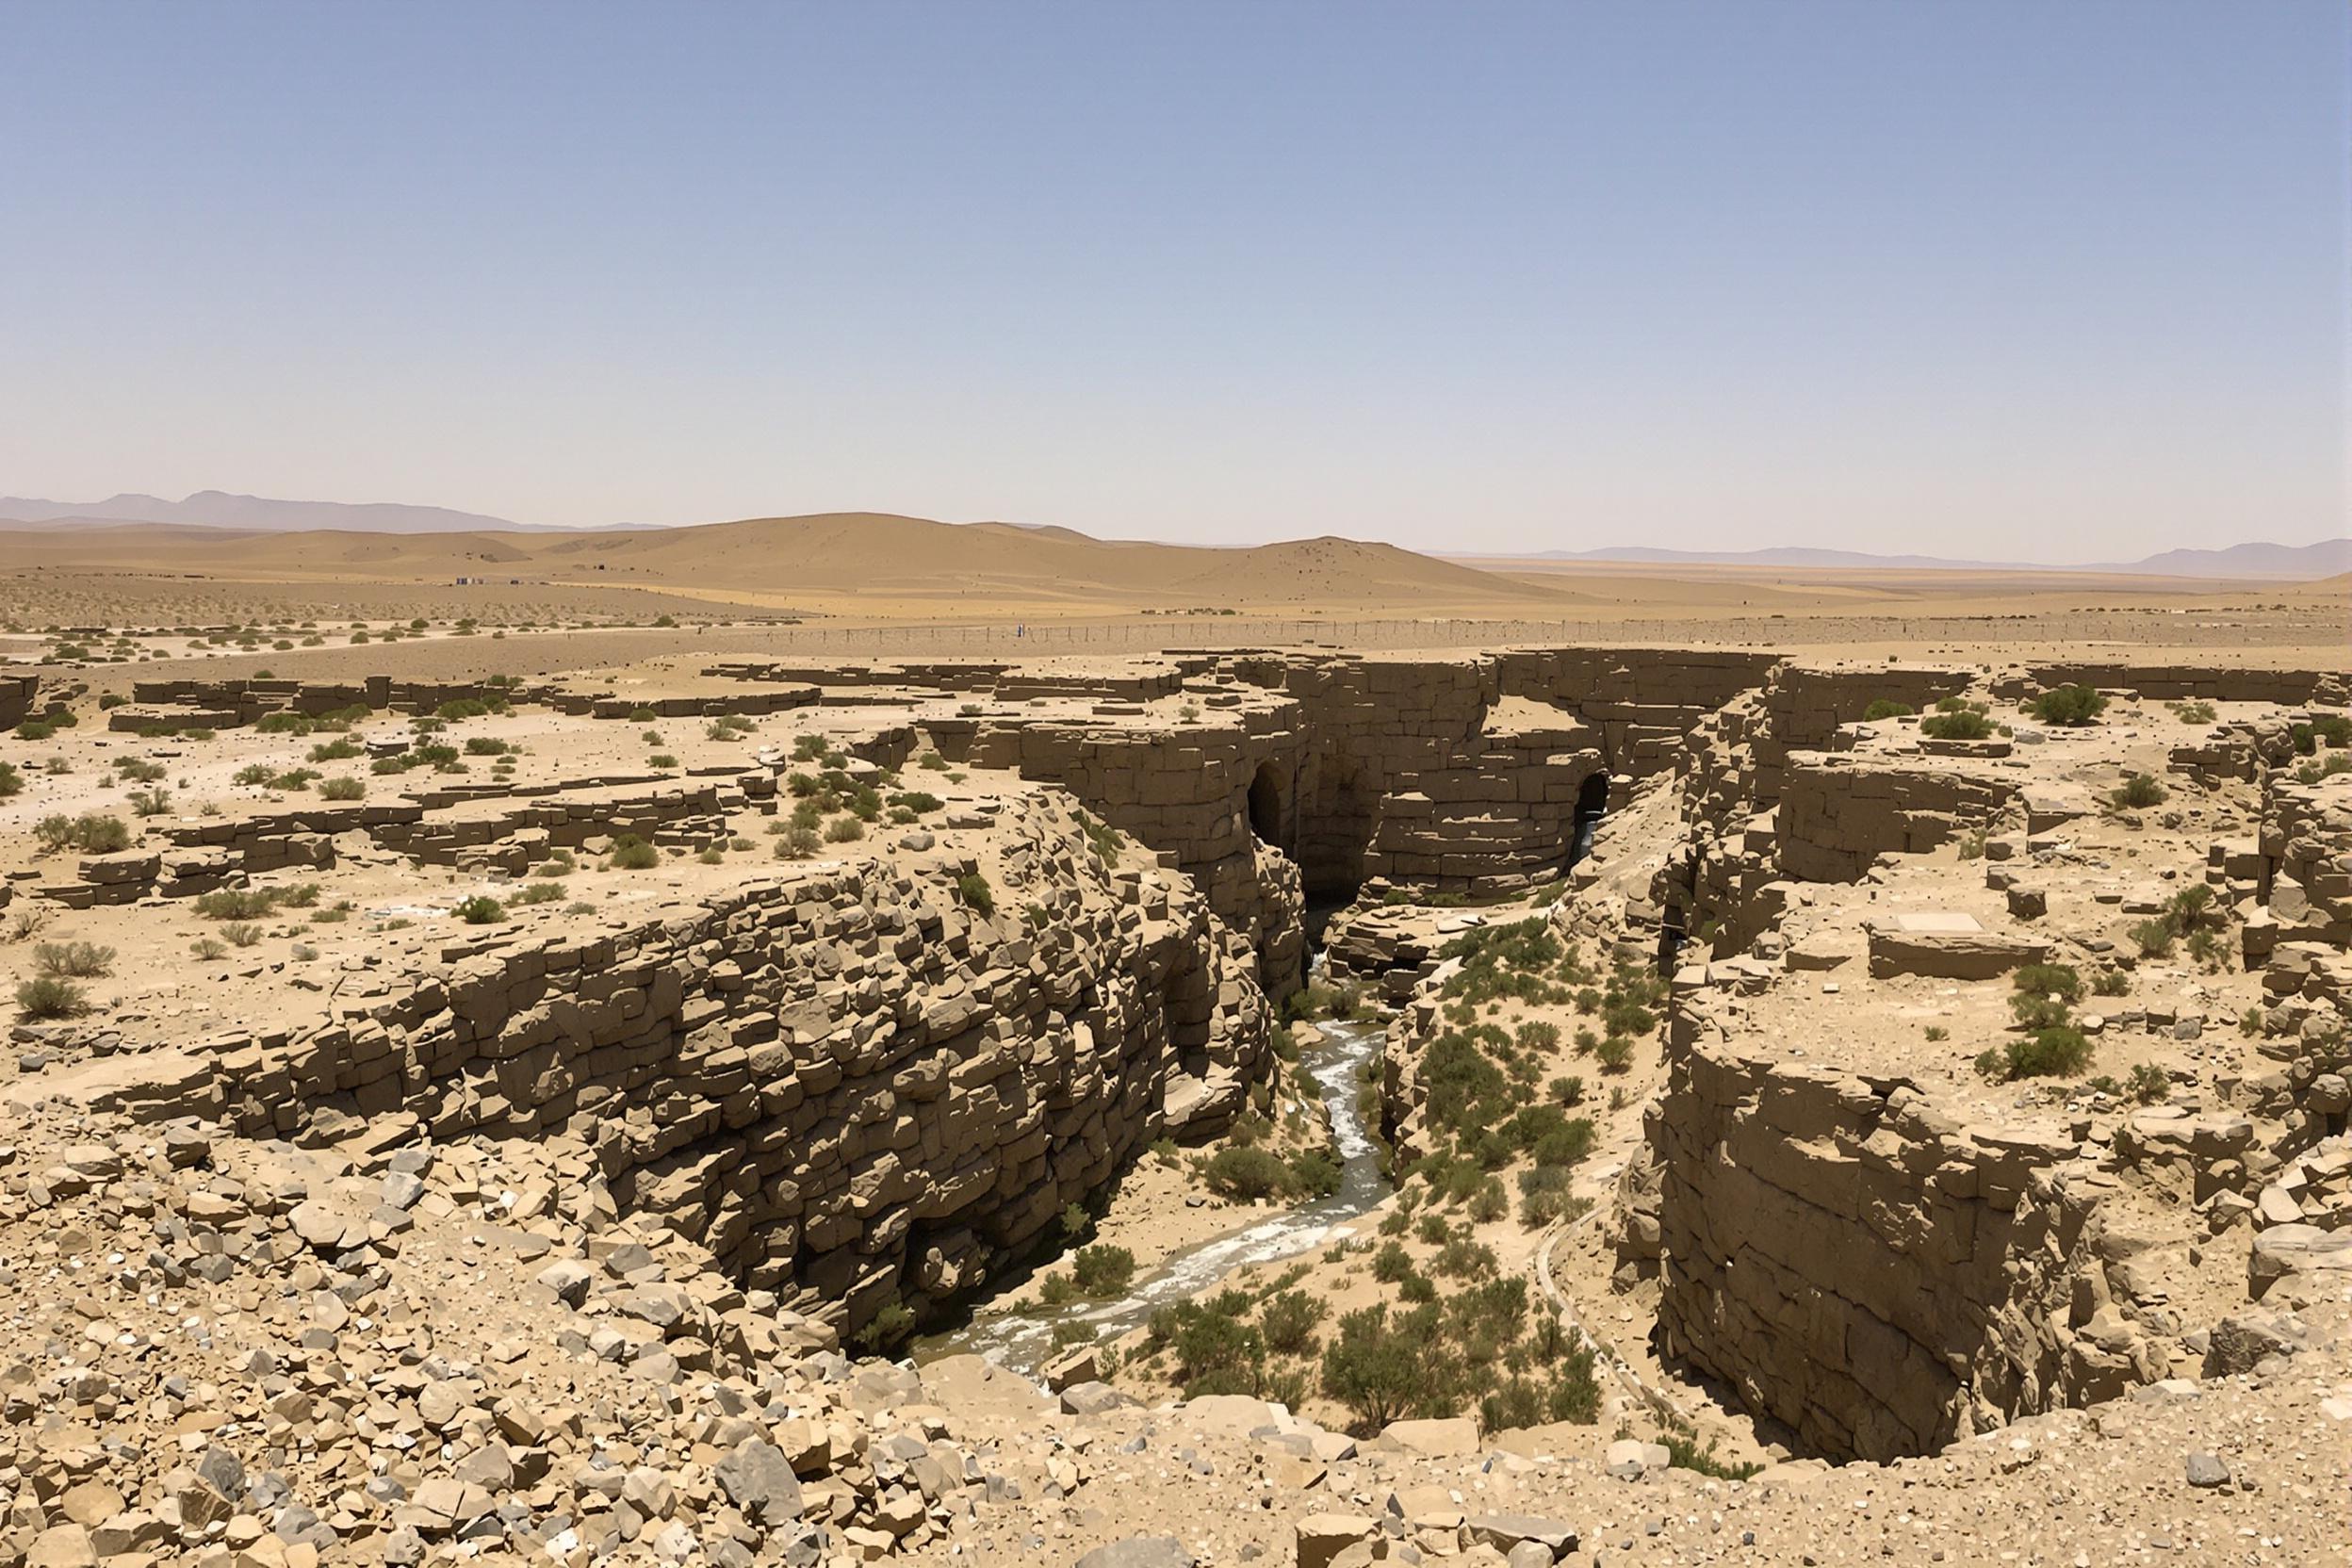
1269	804
1591	804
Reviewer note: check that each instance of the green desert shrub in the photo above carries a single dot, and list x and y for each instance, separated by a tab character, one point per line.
49	996
2068	706
1288	1321
92	833
1245	1174
1958	722
1103	1269
74	960
2058	1052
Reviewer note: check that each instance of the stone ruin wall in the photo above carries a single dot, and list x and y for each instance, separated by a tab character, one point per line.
849	1087
1837	814
1380	771
784	1072
18	694
1866	1271
1876	1276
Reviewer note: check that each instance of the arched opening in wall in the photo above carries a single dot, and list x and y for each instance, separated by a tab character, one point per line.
1672	933
1266	792
1591	804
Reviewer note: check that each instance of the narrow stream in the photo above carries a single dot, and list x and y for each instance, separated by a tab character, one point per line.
1024	1341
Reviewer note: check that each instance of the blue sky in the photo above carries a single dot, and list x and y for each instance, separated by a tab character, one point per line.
2058	281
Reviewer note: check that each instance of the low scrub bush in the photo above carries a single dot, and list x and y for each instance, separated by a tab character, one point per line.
2061	1050
74	960
1964	722
973	892
91	833
1245	1175
48	996
1103	1269
1287	1322
2068	706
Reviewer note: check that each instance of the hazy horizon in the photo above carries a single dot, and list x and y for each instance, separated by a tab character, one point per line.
2000	282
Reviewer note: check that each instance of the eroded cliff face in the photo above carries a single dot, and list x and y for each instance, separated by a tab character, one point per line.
1879	1251
850	1083
1448	775
1865	1270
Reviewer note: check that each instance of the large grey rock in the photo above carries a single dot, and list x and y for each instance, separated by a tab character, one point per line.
759	1479
1093	1399
1506	1532
1323	1536
2285	1250
1946	946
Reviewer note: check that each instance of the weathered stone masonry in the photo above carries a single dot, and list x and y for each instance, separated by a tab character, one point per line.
848	1085
1866	1271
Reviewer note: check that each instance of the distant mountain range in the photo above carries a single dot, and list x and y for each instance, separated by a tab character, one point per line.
219	508
2284	562
222	510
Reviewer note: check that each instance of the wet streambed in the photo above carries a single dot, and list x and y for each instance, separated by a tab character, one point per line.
1024	1341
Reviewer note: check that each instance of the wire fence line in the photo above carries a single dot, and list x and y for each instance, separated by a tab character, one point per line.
1013	639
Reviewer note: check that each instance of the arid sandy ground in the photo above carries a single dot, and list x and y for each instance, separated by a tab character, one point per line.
888	588
347	608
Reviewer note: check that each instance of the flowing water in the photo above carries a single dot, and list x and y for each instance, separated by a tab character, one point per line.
1024	1341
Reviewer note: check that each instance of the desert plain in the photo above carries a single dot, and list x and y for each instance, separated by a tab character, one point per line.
851	1038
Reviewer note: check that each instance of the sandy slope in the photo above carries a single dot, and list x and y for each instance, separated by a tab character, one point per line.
870	555
879	569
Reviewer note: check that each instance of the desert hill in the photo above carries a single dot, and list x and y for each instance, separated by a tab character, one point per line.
834	556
